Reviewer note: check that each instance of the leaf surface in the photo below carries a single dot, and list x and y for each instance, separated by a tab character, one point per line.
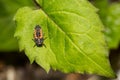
75	42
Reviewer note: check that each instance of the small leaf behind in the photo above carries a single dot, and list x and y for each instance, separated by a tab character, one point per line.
113	25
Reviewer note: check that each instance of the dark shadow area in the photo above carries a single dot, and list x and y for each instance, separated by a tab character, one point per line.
18	65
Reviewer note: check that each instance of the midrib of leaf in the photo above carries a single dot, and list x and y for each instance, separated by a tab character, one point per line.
63	32
71	12
79	49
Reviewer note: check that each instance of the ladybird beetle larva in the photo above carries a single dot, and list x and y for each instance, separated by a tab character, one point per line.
38	36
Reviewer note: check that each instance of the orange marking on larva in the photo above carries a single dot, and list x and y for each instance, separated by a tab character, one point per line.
41	34
35	34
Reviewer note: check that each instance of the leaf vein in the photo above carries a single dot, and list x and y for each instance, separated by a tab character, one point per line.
79	49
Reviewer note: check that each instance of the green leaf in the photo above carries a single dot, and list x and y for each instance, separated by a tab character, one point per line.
75	42
113	25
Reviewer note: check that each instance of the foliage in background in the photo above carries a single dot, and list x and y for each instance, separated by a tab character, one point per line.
110	15
75	42
8	9
113	25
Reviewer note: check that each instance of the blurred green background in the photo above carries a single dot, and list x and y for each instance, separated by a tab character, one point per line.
8	9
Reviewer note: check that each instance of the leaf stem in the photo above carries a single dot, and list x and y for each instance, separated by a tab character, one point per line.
37	5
